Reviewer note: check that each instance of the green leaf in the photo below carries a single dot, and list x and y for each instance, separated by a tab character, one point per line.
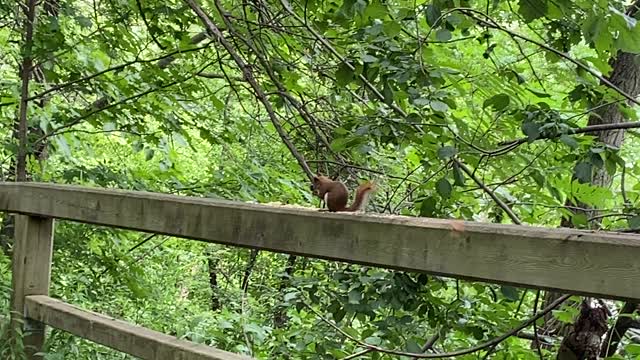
217	103
63	146
595	32
510	293
532	9
339	144
458	175
582	172
443	35
376	10
339	314
344	75
579	219
83	21
498	102
634	222
532	130
628	32
569	141
148	154
433	14
392	28
428	207
438	106
444	188
290	296
369	58
355	295
412	346
387	92
446	152
565	315
539	93
596	161
632	349
611	166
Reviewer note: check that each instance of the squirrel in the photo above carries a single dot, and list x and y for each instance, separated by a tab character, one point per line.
335	194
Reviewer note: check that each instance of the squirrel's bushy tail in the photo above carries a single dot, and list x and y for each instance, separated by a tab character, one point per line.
362	196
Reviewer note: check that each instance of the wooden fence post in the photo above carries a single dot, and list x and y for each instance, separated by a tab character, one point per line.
31	274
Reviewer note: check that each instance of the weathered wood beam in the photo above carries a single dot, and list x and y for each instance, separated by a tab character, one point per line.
30	275
120	335
581	262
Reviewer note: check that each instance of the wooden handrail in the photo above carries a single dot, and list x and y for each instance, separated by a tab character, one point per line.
591	263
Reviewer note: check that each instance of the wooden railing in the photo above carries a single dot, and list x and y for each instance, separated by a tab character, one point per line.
579	262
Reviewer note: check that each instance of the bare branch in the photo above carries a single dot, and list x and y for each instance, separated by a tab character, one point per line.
583	130
250	78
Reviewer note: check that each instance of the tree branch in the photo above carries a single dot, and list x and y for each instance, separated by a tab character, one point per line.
342	59
576	131
79	119
493	24
250	78
492	194
115	68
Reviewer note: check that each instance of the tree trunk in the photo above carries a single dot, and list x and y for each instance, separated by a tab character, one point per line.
25	74
581	340
615	334
51	8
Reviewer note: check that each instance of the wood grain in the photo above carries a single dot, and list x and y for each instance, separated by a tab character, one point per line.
120	335
580	262
31	274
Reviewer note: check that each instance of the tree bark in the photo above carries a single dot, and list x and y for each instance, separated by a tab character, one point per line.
25	75
583	341
616	332
580	342
51	8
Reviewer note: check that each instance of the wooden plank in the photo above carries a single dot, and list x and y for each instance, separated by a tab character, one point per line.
581	262
120	335
31	274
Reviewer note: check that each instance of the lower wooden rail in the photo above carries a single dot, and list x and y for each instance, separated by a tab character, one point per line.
120	335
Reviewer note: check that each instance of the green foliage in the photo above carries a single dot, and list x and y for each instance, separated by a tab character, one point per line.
136	97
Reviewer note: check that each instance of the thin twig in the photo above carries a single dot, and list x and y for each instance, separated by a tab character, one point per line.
489	22
492	194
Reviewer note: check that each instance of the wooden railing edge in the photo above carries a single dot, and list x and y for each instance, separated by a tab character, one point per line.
117	334
557	259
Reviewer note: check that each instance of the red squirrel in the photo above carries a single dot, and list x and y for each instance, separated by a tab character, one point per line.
335	194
